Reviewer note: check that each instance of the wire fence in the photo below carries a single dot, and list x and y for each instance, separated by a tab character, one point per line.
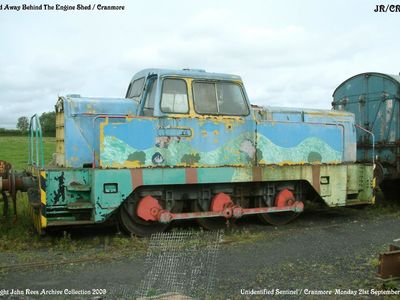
181	263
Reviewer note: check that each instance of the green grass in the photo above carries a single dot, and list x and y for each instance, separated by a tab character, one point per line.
14	149
21	235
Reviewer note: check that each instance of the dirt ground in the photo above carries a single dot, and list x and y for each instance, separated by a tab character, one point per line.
323	250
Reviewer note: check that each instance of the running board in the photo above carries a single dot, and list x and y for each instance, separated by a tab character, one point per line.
80	205
69	223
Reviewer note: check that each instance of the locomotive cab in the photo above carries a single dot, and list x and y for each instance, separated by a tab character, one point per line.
163	95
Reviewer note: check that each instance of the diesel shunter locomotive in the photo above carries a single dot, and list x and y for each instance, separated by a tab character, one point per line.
187	144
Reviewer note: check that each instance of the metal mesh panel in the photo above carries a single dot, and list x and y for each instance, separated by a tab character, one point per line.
181	262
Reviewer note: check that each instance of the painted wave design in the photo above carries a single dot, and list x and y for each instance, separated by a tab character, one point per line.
309	148
237	151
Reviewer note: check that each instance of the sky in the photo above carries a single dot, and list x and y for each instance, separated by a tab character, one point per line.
288	53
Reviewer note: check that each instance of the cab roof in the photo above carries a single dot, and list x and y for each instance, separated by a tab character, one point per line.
192	73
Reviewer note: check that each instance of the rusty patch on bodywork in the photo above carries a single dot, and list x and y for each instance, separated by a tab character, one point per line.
316	170
257	174
191	175
137	177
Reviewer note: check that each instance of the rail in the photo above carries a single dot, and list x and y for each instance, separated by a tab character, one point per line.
36	152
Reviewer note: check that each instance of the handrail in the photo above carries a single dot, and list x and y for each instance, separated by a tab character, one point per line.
373	141
35	143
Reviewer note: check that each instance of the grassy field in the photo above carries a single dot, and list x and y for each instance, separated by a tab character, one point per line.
14	149
18	235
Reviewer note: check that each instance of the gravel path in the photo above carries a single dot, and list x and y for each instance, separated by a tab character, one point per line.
322	251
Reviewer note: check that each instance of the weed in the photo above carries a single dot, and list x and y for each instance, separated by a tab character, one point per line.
387	285
390	285
374	262
152	292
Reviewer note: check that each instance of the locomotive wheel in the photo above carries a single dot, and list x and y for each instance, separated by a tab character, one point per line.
212	223
131	223
283	198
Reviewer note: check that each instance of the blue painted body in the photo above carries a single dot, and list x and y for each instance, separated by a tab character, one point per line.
374	99
331	135
113	133
82	117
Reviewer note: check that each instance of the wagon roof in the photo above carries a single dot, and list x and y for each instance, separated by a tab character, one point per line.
395	78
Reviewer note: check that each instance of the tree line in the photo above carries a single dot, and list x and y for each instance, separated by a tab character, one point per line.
47	121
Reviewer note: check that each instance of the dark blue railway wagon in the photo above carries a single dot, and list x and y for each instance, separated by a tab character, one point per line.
374	100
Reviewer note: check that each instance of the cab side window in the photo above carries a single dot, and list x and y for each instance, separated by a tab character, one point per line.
148	109
205	99
174	98
219	98
135	89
